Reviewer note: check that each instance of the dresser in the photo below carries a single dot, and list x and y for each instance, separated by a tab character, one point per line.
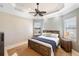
66	45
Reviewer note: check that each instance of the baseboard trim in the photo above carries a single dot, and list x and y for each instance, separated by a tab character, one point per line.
76	53
15	45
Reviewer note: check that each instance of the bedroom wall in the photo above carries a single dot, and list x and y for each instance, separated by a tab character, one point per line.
16	29
54	23
69	15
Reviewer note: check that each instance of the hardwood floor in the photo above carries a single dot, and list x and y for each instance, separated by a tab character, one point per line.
61	52
23	50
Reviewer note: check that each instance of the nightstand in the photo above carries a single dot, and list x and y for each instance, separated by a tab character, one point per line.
66	45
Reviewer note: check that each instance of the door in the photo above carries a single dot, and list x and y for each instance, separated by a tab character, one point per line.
1	44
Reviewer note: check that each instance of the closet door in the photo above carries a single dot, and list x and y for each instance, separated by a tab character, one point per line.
1	44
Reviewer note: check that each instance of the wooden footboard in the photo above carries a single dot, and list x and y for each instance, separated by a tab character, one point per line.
41	49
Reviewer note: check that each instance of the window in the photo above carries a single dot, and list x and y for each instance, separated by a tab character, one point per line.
37	27
70	27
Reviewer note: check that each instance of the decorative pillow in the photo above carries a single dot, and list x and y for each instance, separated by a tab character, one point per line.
54	35
46	34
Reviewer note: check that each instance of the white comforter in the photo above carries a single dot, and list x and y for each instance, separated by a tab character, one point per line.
46	44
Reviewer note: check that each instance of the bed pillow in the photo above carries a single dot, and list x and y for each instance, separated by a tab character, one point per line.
46	34
41	36
54	35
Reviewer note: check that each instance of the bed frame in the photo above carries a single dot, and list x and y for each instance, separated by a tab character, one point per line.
41	49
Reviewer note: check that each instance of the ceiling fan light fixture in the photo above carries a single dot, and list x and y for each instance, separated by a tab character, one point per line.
38	12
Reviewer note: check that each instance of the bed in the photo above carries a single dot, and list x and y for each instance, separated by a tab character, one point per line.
44	46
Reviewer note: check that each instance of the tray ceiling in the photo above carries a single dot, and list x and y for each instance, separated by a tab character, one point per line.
48	7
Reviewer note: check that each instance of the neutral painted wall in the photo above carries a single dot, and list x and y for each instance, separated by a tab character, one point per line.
16	29
69	15
54	23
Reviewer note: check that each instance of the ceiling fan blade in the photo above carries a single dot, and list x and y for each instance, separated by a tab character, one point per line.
37	11
40	14
32	12
43	12
35	14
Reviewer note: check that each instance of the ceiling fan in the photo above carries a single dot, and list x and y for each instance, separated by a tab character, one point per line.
37	11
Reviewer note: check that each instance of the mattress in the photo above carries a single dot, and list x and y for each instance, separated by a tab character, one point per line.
46	44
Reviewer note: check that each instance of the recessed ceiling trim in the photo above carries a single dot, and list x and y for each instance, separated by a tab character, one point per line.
8	8
48	7
68	7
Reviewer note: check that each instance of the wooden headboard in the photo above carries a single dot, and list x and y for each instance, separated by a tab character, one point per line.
51	31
